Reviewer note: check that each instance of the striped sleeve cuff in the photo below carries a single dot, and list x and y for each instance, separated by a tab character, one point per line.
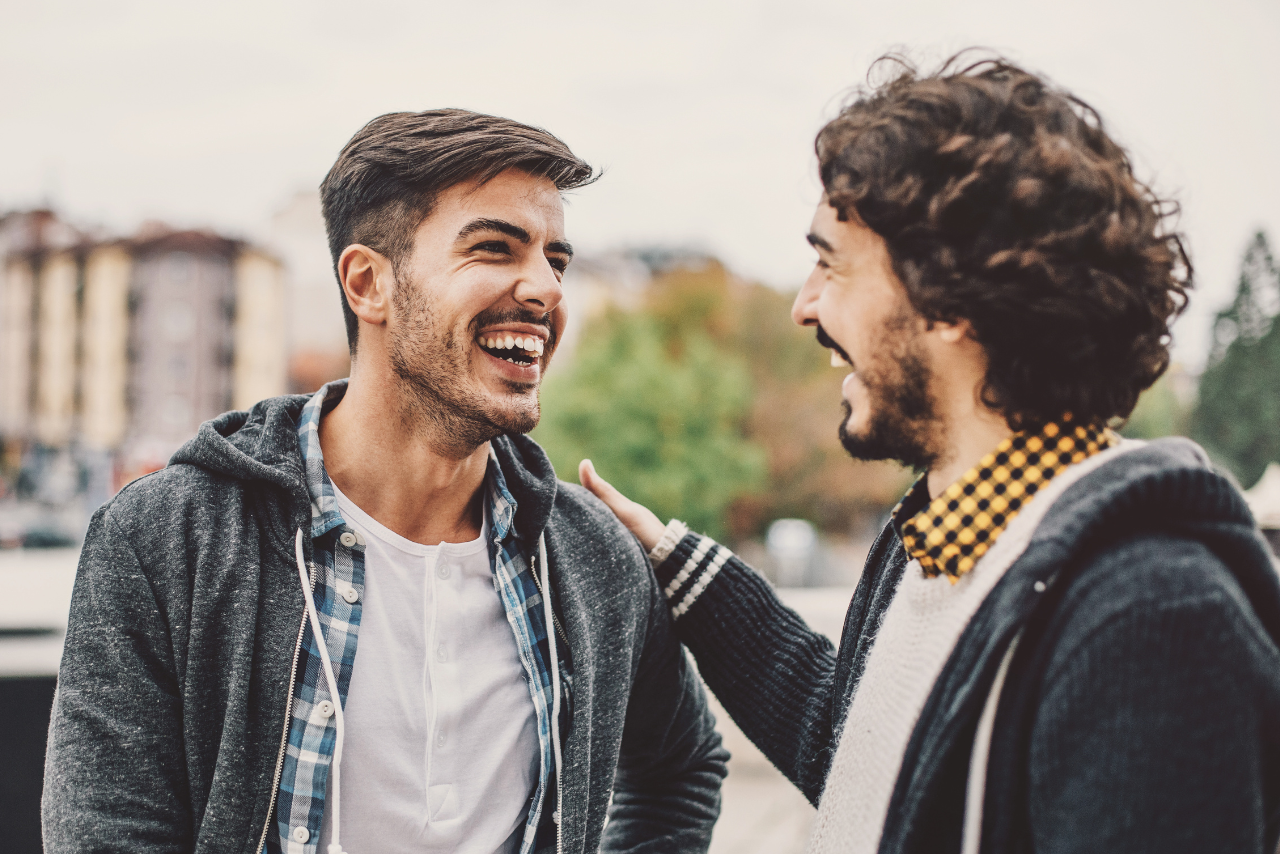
688	569
671	537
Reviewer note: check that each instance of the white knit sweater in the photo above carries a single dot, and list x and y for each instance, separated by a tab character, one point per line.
919	631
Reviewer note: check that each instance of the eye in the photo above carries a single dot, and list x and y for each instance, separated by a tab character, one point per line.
493	247
558	264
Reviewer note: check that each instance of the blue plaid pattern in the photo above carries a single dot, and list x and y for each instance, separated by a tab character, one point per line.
312	736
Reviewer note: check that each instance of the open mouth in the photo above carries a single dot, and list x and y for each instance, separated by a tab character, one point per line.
839	358
517	349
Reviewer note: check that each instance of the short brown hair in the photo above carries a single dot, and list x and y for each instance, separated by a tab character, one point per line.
387	178
1003	202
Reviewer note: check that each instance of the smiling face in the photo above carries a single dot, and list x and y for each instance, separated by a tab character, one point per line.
861	311
477	306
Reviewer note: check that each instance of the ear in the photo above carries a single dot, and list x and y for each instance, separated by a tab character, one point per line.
367	278
953	332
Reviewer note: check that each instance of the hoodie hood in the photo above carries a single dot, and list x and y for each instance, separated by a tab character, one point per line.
262	445
258	445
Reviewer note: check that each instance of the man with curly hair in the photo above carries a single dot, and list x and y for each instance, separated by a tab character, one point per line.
1062	641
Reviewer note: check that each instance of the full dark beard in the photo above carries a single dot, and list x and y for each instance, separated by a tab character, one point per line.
433	368
903	424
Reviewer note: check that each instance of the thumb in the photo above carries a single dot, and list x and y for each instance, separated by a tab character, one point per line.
601	488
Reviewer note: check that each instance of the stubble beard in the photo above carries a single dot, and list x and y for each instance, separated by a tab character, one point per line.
438	396
903	425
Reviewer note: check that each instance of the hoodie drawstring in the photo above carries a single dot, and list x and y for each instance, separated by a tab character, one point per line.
335	846
545	571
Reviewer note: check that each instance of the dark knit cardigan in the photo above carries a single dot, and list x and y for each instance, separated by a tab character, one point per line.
1141	712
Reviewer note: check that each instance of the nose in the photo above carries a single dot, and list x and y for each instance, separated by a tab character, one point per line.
539	288
804	311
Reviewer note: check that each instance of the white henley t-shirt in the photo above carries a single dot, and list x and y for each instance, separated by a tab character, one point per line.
441	744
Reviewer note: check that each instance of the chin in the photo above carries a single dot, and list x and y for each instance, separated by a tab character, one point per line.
518	417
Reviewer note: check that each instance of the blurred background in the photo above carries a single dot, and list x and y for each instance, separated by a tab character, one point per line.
162	257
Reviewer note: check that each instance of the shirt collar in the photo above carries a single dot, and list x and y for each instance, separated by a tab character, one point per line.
325	515
949	534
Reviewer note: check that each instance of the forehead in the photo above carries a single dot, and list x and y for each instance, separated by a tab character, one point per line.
512	194
847	237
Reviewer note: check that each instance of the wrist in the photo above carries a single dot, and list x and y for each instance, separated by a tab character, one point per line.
671	537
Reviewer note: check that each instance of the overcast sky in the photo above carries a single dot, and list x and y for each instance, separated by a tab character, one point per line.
702	113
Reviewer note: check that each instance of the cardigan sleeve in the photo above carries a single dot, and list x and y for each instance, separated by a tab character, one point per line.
773	674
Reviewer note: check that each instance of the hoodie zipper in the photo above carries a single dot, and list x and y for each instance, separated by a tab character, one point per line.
288	719
537	582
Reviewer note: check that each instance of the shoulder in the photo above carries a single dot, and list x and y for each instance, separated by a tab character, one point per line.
587	529
173	516
1152	591
177	490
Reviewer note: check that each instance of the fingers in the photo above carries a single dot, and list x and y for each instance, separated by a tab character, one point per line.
600	487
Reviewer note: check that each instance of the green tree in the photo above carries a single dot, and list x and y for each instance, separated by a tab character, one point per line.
662	418
1237	417
1159	412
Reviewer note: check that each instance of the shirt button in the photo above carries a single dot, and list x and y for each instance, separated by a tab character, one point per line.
443	570
325	708
440	740
359	539
300	834
348	539
350	594
441	654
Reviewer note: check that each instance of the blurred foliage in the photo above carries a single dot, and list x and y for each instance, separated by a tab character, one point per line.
1161	411
1237	416
710	405
663	423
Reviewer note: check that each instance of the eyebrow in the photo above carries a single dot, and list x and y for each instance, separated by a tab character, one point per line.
510	229
819	243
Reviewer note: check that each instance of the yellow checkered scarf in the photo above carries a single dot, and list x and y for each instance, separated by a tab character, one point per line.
956	529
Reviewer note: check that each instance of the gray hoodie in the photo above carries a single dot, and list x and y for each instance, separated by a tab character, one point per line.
171	705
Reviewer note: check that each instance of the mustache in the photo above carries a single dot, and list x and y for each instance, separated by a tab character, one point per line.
826	341
497	316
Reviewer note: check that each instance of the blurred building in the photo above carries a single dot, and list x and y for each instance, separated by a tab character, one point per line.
315	331
113	351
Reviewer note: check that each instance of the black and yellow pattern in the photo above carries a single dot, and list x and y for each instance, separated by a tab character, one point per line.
956	529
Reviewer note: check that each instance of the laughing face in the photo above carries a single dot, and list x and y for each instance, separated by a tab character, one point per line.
476	308
862	313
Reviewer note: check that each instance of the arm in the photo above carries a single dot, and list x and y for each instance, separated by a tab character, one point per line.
667	787
115	777
774	675
1152	731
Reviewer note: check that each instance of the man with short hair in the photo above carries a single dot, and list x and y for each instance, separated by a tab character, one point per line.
372	619
1062	641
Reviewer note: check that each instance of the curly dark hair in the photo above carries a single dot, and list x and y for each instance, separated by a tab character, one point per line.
1004	203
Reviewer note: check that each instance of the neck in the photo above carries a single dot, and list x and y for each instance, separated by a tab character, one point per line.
971	432
395	468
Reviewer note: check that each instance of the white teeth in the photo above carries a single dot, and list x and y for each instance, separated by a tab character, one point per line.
836	361
528	343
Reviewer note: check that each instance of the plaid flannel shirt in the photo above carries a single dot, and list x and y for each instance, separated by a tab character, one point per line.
338	568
